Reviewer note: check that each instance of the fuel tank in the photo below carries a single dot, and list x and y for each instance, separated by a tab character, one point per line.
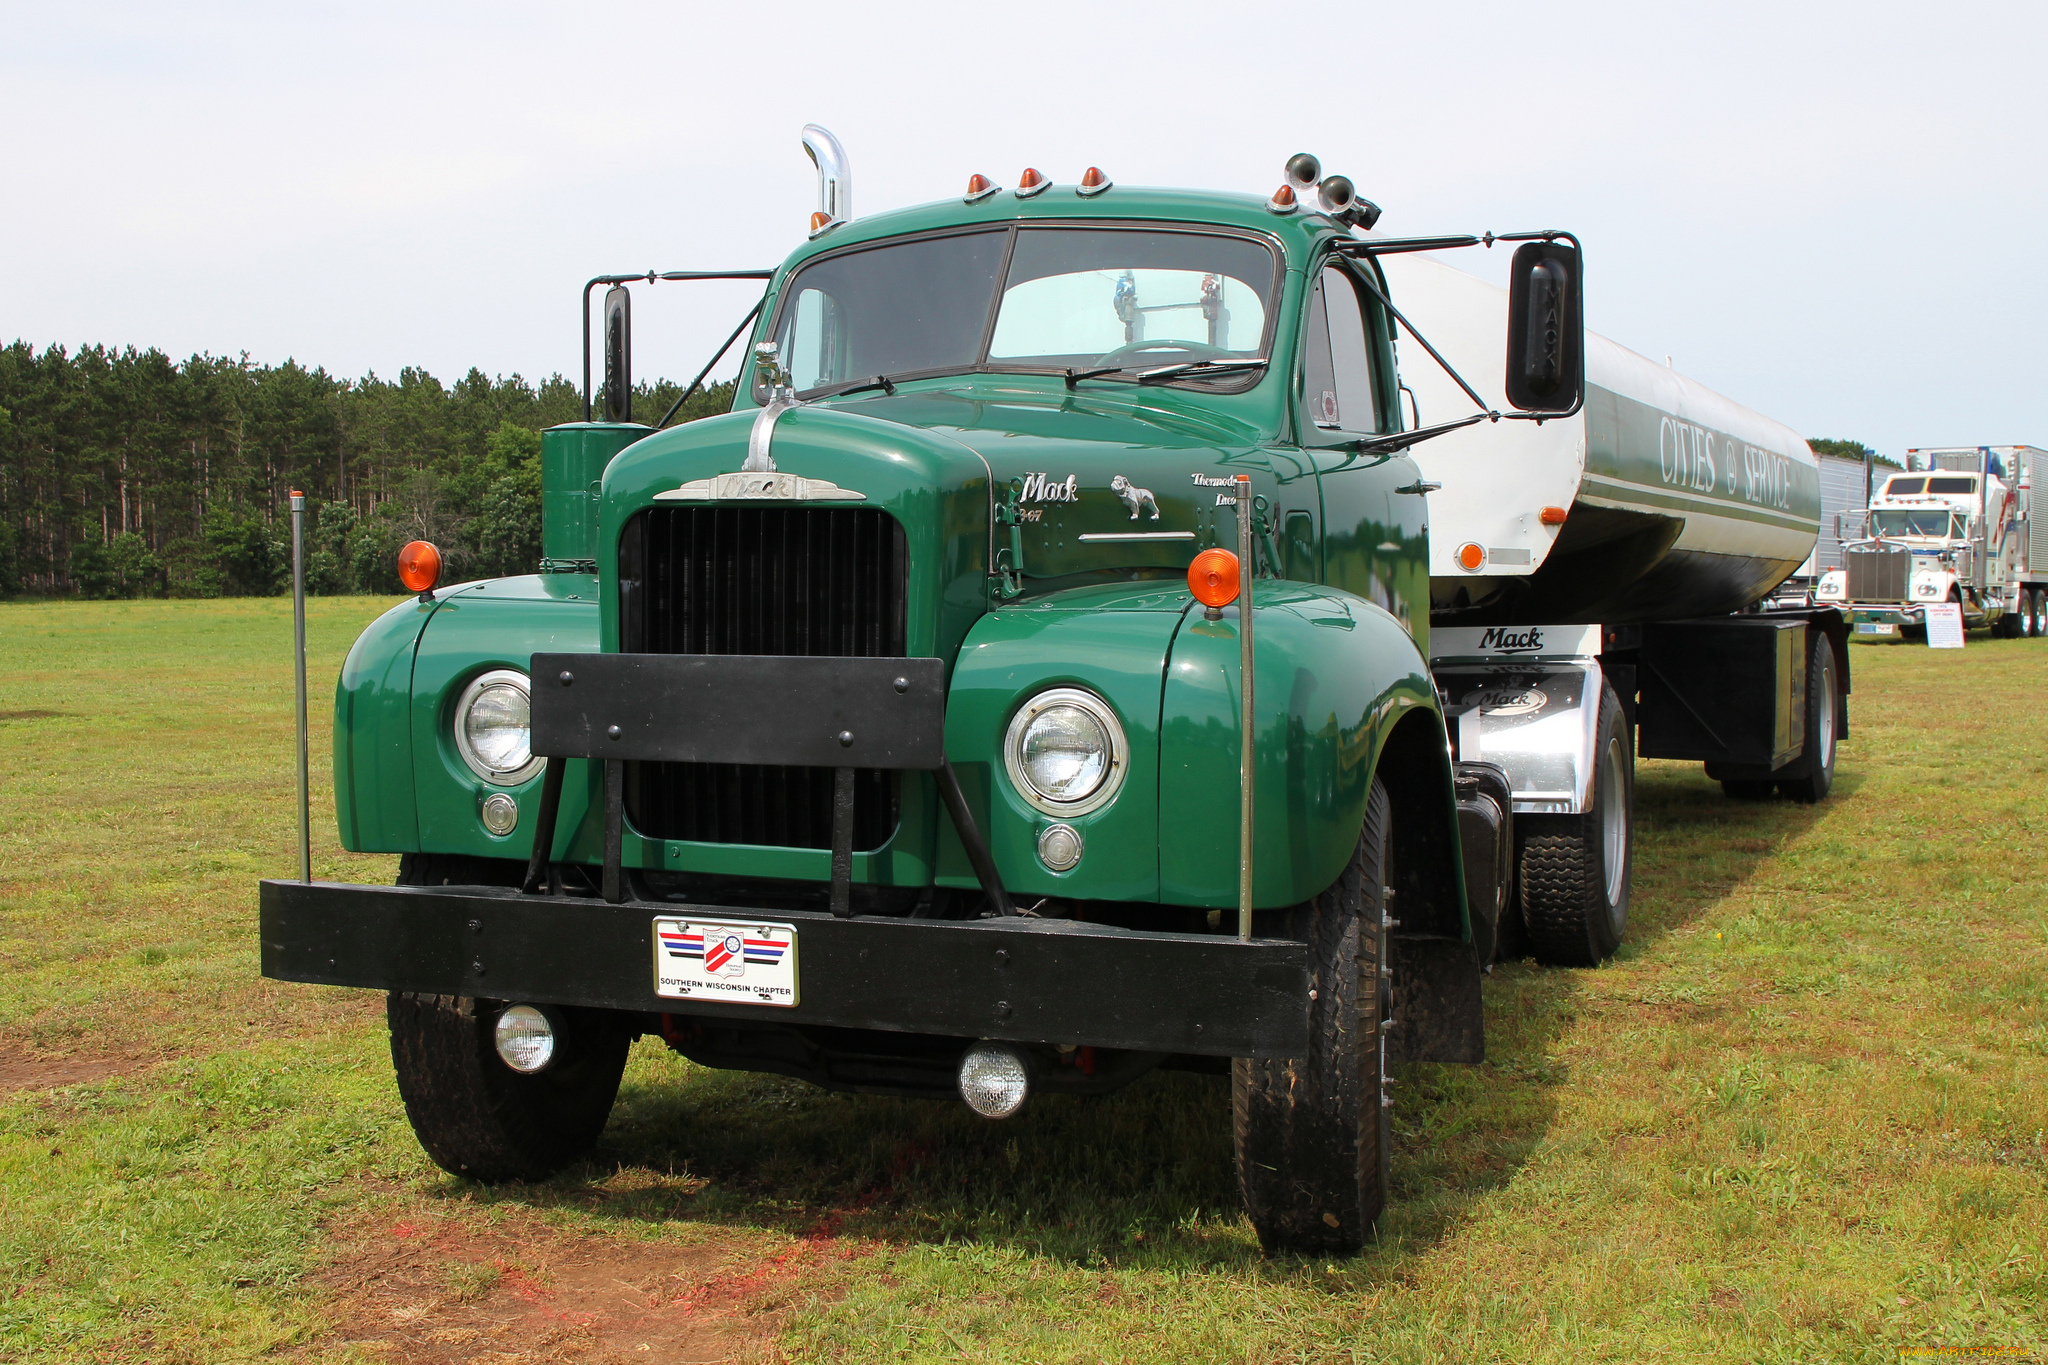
1660	499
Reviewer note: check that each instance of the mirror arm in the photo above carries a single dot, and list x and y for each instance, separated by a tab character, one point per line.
1434	354
1401	440
650	277
745	323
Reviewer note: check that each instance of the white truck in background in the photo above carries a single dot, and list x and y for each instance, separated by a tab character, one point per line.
1955	526
1845	490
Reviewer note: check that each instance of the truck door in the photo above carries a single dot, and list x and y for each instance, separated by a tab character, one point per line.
1374	537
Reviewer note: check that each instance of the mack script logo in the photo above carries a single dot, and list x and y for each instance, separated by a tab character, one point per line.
1506	640
1044	488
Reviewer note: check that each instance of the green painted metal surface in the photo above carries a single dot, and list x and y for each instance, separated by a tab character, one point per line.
1334	674
499	624
1114	641
573	457
373	805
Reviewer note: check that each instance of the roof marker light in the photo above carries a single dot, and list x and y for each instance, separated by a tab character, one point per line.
823	222
1031	182
1283	200
980	187
1093	182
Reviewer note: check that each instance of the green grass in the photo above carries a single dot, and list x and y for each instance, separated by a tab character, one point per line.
1803	1115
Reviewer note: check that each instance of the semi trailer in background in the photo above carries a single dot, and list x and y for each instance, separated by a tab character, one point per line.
1114	629
1956	526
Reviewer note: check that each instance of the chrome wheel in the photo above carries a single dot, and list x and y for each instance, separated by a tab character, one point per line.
1614	820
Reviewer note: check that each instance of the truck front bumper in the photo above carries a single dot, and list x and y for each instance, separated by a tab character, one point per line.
1013	978
1885	615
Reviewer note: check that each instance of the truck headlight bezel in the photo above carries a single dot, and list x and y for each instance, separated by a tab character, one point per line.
1037	711
501	772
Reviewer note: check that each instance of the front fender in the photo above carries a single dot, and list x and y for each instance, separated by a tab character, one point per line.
1944	581
1112	640
475	628
1335	674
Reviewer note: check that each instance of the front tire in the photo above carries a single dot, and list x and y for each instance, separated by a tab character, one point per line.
1312	1133
1574	870
475	1116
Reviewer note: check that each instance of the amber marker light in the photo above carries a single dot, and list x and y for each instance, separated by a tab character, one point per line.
979	187
1093	182
1212	578
820	221
1283	200
1552	516
419	566
1031	182
1471	556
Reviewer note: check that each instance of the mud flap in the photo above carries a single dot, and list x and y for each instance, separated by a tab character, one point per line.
1436	1002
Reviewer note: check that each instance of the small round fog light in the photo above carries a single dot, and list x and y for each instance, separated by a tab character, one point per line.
1059	847
500	813
526	1039
994	1080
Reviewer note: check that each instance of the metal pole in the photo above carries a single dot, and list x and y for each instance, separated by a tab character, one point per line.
299	640
1245	565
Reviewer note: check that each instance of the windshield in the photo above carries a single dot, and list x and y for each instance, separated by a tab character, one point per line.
1915	521
1118	300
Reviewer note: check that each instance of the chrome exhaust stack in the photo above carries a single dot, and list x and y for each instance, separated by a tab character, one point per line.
835	179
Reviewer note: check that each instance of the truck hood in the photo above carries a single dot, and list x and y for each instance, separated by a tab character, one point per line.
1058	484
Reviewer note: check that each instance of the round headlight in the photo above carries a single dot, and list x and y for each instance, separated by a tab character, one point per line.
494	728
1065	751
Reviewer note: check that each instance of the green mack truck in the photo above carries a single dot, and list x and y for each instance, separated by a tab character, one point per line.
894	730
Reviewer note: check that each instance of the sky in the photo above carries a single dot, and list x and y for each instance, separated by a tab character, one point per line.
1823	211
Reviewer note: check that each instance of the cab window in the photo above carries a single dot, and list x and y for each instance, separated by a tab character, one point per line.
1337	365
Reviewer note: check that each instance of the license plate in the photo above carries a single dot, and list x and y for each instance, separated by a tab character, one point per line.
1875	628
741	963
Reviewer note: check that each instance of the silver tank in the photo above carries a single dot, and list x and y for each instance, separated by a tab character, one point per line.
1659	500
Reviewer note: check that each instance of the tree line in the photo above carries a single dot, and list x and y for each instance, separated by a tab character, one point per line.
124	473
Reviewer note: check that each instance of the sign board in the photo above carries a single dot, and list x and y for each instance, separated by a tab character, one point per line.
1945	625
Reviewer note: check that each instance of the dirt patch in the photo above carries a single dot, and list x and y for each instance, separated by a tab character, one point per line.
29	1071
30	715
513	1290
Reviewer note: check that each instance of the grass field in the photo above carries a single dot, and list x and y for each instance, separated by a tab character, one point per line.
1802	1116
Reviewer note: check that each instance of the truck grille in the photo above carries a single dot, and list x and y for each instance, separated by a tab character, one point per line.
1877	573
760	580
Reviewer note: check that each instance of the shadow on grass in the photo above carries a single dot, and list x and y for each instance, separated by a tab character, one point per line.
1144	1176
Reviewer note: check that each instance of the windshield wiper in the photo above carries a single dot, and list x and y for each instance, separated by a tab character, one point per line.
1200	368
1161	373
880	381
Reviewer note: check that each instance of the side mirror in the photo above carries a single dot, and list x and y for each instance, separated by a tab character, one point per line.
1838	526
1546	329
618	354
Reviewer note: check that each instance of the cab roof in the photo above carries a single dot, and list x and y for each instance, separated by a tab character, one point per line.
1299	233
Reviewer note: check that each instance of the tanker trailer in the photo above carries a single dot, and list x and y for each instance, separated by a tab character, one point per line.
1617	559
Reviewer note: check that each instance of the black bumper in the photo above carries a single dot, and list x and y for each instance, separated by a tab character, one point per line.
1022	980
